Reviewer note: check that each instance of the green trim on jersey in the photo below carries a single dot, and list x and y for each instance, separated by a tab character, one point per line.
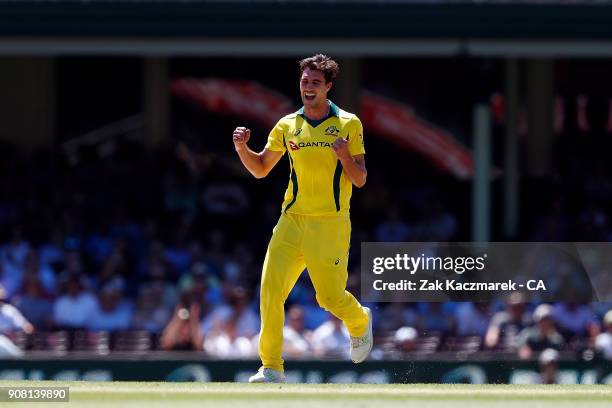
337	175
293	178
333	111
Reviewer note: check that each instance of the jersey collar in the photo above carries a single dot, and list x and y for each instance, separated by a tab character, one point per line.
333	111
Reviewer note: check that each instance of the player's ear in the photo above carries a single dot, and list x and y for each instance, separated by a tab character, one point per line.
328	85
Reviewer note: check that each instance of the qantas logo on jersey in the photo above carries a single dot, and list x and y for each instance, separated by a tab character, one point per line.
299	145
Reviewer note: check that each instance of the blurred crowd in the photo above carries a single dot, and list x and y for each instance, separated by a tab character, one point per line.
170	243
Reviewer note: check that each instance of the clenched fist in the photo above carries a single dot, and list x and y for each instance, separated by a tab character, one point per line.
241	137
340	146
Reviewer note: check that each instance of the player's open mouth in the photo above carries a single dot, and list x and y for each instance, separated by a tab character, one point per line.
310	97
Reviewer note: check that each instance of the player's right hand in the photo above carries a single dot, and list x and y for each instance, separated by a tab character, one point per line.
241	137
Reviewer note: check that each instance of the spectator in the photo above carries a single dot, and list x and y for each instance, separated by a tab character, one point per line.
506	325
576	319
37	308
33	267
225	341
16	250
398	314
74	306
548	363
111	311
405	339
158	278
150	314
473	318
206	285
183	331
247	322
295	335
177	254
437	317
116	263
314	315
296	339
542	336
330	339
12	258
215	254
73	265
238	268
11	320
603	341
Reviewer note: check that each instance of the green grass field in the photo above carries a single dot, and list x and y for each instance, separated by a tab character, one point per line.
175	395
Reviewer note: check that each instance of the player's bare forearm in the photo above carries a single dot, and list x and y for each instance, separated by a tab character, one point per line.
355	169
251	161
170	334
258	164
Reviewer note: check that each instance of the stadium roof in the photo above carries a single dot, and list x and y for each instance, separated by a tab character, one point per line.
397	27
285	19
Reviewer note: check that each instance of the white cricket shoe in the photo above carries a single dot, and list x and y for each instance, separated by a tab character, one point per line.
361	346
268	375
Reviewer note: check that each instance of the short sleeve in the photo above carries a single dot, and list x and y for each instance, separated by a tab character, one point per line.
276	141
15	317
355	139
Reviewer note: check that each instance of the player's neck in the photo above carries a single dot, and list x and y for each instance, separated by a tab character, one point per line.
317	113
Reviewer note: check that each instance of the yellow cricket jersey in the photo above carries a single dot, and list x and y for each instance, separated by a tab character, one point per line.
317	183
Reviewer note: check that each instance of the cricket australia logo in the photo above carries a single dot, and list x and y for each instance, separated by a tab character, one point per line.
331	131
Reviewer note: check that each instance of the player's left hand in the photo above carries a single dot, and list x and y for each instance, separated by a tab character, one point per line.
340	146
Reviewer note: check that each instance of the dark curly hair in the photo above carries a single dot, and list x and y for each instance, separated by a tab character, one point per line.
323	63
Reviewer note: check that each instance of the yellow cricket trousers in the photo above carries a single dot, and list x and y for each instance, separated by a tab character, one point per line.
321	244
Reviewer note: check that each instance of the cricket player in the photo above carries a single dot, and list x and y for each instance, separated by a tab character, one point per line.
326	158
